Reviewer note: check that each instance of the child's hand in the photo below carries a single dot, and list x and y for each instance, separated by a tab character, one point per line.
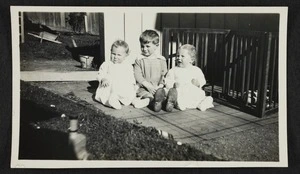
196	82
160	86
151	89
104	83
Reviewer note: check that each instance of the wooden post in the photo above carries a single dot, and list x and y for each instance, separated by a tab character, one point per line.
77	141
42	36
172	60
113	29
262	95
62	20
86	22
261	69
22	26
166	45
132	31
101	35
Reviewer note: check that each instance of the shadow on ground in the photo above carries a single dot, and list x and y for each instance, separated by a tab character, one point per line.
41	143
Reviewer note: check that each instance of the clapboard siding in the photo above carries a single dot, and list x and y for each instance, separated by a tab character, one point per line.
231	21
216	21
250	22
187	20
202	20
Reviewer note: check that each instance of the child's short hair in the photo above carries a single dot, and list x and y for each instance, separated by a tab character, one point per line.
191	50
149	36
120	43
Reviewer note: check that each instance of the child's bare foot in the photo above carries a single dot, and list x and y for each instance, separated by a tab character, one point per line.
171	99
159	97
206	104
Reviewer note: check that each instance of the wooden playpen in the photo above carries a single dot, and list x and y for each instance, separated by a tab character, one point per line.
241	67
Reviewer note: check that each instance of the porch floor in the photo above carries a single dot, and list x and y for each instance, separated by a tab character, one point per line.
206	130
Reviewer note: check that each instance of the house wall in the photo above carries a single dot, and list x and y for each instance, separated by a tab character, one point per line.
130	25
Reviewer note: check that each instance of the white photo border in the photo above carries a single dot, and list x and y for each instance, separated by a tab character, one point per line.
282	118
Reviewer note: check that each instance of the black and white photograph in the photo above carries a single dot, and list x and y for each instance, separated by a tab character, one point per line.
107	87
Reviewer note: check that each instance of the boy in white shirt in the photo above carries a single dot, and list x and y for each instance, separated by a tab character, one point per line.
116	80
184	83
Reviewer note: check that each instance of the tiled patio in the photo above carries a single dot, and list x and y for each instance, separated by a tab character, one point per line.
190	126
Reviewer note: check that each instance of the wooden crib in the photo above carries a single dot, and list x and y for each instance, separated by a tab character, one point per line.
241	67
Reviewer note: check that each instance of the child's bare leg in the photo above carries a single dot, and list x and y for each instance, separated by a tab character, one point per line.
143	93
140	103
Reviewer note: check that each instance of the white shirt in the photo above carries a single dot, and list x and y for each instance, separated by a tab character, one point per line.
120	77
184	76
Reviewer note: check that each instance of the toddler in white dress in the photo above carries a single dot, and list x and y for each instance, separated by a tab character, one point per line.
116	79
184	83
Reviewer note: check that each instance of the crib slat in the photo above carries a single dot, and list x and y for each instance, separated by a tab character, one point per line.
212	61
243	64
235	49
166	45
238	66
231	58
276	80
193	39
209	61
203	52
255	66
221	59
182	37
171	48
226	78
187	37
198	48
206	52
176	35
272	74
248	64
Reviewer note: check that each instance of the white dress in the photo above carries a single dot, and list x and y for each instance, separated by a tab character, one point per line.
121	83
189	95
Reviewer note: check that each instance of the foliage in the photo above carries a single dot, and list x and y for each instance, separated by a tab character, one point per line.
76	20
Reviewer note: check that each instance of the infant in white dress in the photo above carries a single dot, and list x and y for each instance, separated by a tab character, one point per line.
116	80
184	83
